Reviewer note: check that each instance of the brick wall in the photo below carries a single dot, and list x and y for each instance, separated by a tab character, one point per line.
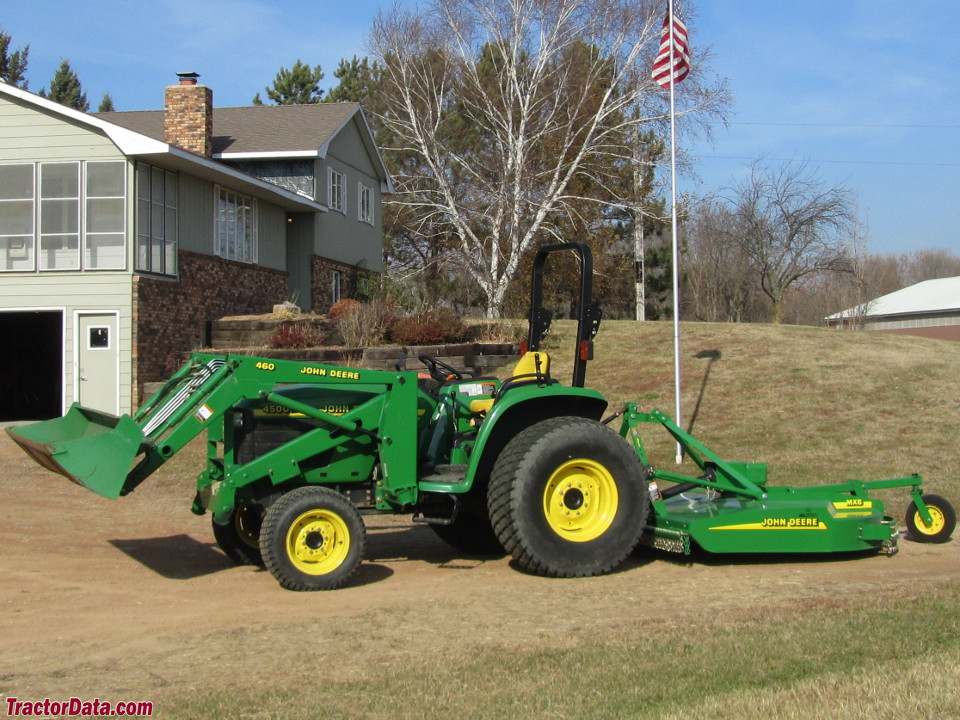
171	317
321	270
188	118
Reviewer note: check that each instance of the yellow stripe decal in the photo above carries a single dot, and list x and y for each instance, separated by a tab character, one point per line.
777	524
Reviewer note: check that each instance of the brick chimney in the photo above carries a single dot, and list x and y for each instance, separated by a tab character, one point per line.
188	115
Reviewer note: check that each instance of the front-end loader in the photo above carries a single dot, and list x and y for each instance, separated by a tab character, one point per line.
297	451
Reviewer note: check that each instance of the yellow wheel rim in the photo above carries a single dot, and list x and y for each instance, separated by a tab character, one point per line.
580	500
318	542
246	523
936	514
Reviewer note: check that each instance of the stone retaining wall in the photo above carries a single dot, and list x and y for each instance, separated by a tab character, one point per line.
477	358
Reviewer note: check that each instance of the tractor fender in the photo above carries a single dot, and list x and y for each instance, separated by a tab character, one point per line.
518	409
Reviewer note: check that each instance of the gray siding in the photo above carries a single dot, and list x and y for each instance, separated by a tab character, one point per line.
28	134
272	241
70	293
31	135
342	236
196	224
195	215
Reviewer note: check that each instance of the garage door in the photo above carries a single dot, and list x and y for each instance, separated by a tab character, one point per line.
31	365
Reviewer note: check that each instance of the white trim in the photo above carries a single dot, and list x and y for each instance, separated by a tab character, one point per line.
361	190
85	208
76	352
268	155
137	146
250	202
343	191
336	286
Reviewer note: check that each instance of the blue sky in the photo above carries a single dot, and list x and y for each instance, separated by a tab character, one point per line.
864	91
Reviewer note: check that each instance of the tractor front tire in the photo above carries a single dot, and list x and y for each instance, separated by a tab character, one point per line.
567	498
312	539
943	516
239	537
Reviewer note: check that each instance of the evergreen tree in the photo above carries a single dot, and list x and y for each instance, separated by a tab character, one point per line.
13	67
358	81
300	85
106	104
65	88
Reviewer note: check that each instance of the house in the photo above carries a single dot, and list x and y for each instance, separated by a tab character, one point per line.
928	309
122	235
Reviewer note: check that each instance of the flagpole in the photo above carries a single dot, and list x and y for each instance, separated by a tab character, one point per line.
673	226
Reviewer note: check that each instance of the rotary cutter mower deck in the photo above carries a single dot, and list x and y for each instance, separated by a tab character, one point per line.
297	451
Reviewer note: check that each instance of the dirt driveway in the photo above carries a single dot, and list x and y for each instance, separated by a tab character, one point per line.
131	599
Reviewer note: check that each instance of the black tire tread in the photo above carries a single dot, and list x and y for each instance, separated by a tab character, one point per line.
949	516
504	491
233	546
274	529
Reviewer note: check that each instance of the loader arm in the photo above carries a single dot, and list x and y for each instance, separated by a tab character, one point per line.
100	452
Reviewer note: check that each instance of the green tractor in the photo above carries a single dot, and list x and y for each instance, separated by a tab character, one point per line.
298	451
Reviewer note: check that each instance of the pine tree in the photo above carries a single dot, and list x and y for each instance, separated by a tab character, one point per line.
106	104
65	88
300	85
13	67
358	81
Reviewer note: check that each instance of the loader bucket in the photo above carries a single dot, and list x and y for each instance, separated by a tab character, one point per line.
90	448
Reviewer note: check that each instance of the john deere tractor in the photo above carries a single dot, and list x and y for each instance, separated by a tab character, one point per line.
297	452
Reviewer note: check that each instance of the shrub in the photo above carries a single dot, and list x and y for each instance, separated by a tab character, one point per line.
365	324
428	328
296	335
498	331
341	308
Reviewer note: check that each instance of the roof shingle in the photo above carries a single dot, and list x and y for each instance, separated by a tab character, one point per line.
256	129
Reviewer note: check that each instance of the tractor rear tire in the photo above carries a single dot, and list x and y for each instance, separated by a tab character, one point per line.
239	538
312	539
944	521
567	498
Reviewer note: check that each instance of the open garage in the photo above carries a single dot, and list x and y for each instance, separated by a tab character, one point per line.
31	365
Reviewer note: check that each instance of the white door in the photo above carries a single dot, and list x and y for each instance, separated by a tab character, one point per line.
98	355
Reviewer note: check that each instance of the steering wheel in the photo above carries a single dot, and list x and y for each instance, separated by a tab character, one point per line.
439	370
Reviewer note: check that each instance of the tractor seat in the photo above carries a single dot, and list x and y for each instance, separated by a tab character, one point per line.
525	372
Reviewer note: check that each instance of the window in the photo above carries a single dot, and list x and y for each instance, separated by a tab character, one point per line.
336	191
365	205
60	216
105	228
48	208
235	231
17	217
156	220
334	286
99	338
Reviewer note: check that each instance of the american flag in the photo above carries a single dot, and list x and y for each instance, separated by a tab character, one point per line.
676	62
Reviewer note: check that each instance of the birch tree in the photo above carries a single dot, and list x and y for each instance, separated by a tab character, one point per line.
510	106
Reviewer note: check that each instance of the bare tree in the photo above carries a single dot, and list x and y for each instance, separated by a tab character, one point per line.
791	225
928	264
508	105
719	286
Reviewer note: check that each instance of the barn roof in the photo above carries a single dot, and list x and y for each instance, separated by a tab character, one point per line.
930	296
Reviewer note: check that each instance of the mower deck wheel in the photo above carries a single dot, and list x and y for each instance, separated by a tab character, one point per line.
944	521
